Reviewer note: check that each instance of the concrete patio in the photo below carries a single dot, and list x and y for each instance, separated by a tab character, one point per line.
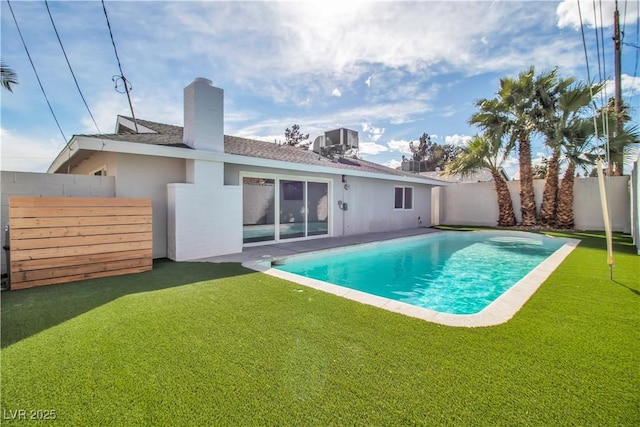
266	252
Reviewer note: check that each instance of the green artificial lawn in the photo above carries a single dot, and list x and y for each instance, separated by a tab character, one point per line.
217	344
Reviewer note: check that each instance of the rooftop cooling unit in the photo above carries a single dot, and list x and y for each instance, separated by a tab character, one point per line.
346	139
318	143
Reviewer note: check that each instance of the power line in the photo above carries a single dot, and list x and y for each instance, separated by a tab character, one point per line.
624	19
124	80
604	62
584	43
635	71
586	59
35	71
69	64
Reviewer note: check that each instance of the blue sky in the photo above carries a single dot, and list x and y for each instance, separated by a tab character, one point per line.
390	70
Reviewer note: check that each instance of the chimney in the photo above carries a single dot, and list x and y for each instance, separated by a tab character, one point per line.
203	116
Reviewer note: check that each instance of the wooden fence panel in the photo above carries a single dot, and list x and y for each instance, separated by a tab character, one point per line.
63	239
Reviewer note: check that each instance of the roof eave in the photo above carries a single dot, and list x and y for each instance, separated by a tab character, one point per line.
106	145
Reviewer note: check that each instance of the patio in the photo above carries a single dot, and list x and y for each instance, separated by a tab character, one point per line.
265	252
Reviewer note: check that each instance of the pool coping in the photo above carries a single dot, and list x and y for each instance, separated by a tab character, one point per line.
497	312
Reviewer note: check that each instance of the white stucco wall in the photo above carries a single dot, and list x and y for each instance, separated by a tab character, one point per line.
145	177
370	201
476	203
204	216
371	207
634	213
48	185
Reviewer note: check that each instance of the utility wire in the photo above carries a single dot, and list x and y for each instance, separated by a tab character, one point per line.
624	19
586	59
35	71
604	62
70	69
635	71
121	76
595	27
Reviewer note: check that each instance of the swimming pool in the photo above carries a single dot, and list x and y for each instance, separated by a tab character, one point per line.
451	274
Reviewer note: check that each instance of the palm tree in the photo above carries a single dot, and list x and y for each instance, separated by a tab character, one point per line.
486	153
580	153
518	110
7	77
571	103
607	124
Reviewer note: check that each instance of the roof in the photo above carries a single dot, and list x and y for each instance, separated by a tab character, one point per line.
480	176
171	136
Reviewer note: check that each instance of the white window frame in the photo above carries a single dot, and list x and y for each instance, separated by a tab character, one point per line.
404	194
280	177
102	171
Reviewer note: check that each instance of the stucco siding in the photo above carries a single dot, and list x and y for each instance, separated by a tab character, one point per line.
141	176
370	206
370	202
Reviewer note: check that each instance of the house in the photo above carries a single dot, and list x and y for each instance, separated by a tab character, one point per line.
212	193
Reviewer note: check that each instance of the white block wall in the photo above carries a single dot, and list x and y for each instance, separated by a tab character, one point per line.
635	203
204	217
48	185
476	203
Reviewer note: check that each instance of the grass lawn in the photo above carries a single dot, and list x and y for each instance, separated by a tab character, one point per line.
216	344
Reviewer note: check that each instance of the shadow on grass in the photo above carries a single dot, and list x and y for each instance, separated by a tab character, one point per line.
635	291
29	311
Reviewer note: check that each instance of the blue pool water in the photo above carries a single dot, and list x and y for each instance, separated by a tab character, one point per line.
449	272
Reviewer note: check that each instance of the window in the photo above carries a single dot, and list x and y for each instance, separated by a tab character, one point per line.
408	197
399	197
100	172
403	198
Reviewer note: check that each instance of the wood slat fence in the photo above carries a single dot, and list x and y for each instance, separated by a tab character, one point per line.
63	239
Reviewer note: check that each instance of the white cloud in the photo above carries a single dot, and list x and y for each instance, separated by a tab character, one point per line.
630	85
27	154
393	163
400	41
456	139
373	132
537	160
569	16
336	92
399	145
371	148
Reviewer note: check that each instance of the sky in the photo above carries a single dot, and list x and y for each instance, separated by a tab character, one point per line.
391	70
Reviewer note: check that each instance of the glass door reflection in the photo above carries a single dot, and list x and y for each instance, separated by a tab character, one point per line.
317	208
258	210
292	209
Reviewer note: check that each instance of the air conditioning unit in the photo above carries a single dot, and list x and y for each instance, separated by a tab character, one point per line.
340	140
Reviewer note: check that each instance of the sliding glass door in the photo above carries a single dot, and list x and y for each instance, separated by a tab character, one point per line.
293	215
317	208
258	210
279	209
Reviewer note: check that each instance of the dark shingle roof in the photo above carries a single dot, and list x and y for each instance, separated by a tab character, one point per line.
171	136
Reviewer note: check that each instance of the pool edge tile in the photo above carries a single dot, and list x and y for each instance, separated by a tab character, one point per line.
500	311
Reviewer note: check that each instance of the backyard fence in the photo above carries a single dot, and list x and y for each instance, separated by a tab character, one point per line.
63	239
